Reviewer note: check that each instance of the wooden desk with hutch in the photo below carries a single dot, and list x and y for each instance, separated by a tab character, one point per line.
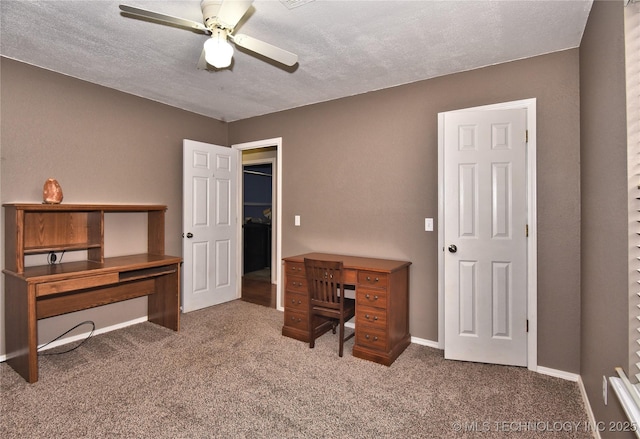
382	304
38	292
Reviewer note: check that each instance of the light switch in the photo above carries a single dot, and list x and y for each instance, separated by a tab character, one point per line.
297	220
428	224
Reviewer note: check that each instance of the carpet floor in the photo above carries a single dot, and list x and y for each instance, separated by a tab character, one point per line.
229	373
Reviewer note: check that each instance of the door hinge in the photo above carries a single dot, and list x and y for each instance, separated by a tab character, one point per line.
527	325
526	136
526	230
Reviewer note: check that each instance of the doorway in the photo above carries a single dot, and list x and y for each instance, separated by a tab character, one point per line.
261	223
258	192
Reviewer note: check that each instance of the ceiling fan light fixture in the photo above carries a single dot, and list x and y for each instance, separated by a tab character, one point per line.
220	18
217	51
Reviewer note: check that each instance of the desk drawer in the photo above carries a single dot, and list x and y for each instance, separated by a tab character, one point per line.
367	315
79	283
295	283
294	269
372	338
372	279
371	298
296	319
350	276
296	301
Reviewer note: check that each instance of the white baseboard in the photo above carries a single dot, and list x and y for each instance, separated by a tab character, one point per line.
590	415
86	334
425	342
558	373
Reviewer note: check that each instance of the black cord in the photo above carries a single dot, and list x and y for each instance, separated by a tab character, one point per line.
52	257
65	333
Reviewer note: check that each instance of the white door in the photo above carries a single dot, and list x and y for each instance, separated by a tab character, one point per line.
485	243
210	226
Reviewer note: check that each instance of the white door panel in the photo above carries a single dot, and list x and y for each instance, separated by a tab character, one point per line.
485	217
210	226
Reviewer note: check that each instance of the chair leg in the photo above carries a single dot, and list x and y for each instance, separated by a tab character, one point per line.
312	333
341	338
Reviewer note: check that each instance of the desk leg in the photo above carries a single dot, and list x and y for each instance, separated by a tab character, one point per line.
21	322
164	303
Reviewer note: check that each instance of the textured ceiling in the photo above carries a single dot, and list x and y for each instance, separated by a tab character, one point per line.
344	47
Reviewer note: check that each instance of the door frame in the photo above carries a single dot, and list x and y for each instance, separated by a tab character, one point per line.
532	241
274	220
276	263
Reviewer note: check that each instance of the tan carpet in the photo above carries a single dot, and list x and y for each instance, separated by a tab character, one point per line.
229	373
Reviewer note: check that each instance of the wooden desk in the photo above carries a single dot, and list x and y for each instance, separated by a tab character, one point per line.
38	292
51	290
382	304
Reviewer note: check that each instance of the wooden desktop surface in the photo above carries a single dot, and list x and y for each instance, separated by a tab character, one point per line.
356	262
353	264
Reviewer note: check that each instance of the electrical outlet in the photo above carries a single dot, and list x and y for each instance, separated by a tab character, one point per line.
605	388
296	220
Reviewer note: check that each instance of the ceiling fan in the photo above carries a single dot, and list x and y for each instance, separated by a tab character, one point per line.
220	17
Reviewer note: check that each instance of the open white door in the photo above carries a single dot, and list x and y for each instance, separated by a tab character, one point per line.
485	236
210	225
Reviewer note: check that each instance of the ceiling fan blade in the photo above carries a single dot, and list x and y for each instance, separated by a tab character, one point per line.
231	11
266	49
163	18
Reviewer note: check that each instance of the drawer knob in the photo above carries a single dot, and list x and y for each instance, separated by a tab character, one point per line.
369	297
368	337
375	280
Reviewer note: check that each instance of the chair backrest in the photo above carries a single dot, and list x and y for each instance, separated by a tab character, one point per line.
324	278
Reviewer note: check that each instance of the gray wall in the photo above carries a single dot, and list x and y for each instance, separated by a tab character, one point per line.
103	146
604	215
362	174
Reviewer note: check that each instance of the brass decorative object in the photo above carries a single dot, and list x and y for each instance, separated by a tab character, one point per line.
51	192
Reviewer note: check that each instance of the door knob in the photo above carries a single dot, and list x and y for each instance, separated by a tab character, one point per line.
189	235
453	248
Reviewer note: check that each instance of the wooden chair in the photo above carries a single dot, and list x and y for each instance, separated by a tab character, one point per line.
326	298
